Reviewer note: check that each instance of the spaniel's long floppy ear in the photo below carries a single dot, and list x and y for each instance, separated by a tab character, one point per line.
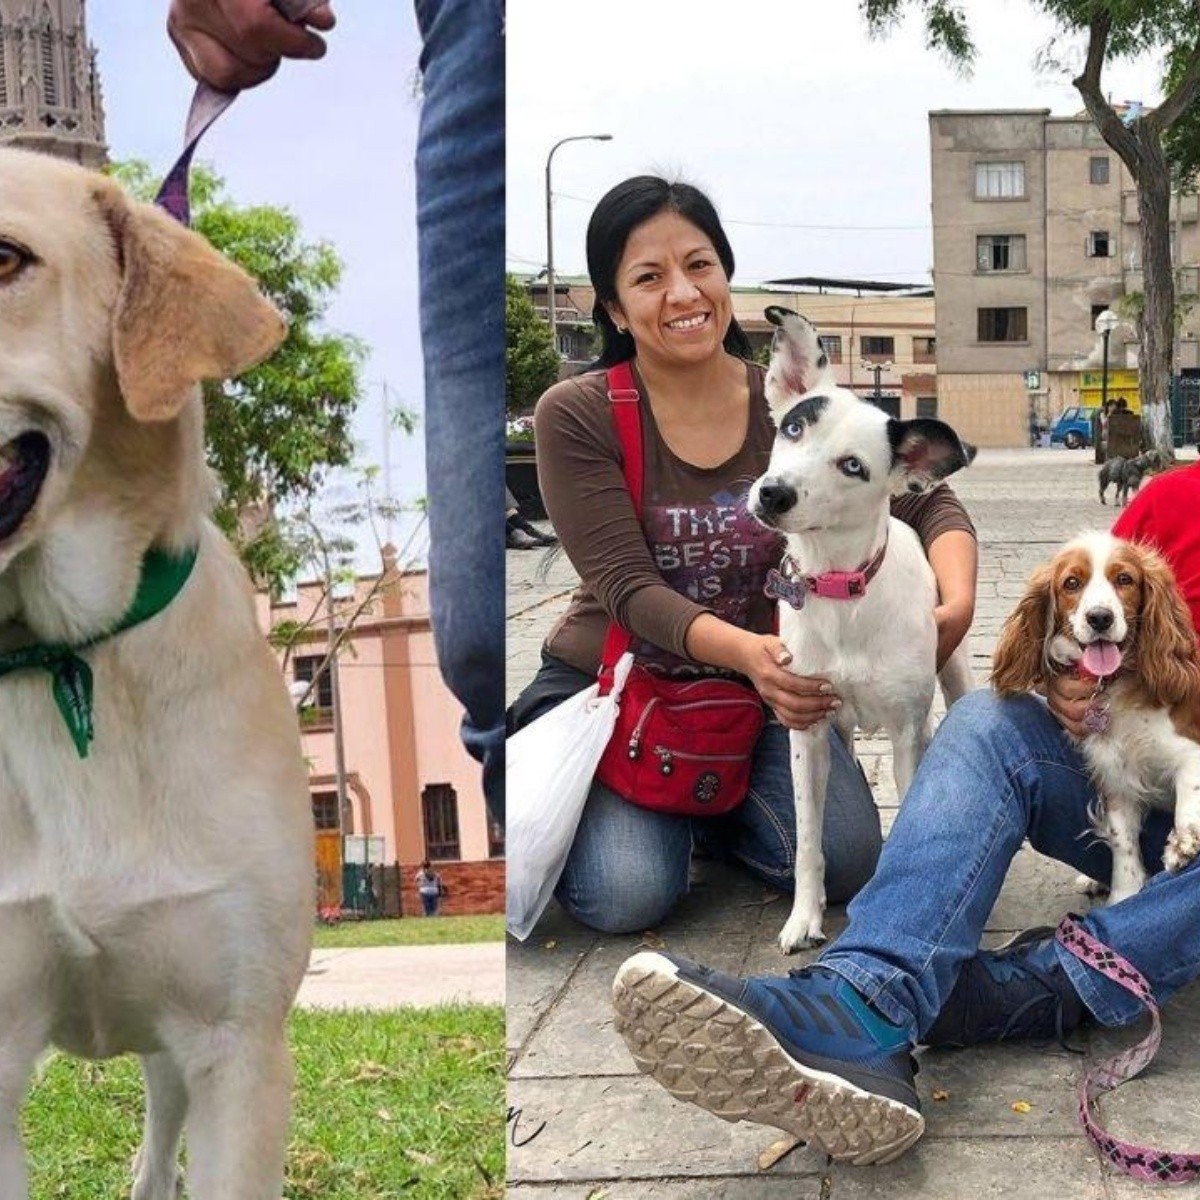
184	313
1166	639
1019	664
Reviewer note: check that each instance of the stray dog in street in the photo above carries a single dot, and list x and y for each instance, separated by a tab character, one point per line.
157	884
1128	473
857	592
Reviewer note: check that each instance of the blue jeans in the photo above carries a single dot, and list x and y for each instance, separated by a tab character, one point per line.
460	224
999	772
628	866
429	903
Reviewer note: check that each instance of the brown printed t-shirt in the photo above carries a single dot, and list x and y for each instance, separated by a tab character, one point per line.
697	549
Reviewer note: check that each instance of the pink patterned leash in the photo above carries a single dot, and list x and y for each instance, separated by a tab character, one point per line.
1142	1162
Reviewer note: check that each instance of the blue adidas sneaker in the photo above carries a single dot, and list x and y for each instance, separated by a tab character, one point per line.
802	1052
1017	991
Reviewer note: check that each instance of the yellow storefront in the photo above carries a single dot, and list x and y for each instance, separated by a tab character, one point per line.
1122	382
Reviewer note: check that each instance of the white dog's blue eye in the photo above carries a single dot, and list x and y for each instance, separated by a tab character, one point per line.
792	429
853	467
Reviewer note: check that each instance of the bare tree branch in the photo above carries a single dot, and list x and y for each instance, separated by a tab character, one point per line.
1102	113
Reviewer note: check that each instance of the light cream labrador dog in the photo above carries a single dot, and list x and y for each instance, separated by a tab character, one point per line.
156	895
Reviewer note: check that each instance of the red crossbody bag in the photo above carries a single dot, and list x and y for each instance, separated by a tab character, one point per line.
678	747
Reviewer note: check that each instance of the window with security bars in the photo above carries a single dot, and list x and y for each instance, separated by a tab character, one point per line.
495	838
1003	325
1098	169
3	70
304	667
831	343
1000	252
325	810
49	74
999	181
878	347
439	808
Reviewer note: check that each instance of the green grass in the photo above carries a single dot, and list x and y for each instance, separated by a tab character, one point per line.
388	1105
412	931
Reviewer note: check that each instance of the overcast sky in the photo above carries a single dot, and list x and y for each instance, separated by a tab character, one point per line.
812	139
334	142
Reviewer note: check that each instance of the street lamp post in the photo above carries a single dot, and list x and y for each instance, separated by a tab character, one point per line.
877	369
1106	322
582	137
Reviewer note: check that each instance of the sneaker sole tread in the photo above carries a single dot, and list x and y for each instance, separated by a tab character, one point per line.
706	1051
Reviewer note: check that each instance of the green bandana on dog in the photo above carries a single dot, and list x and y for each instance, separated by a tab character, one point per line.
162	579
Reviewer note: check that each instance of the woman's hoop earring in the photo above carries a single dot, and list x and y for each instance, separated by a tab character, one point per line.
622	329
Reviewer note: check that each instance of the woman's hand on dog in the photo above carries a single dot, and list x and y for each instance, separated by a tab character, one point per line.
953	624
799	701
1068	699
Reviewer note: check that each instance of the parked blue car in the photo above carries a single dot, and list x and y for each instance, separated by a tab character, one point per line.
1074	427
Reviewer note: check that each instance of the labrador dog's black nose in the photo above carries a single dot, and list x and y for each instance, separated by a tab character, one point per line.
1099	619
775	497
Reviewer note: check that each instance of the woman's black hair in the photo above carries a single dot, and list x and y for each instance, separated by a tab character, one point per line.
620	211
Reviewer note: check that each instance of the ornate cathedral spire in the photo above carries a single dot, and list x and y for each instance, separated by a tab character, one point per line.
49	86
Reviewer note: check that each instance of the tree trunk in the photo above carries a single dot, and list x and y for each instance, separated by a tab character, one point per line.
1157	333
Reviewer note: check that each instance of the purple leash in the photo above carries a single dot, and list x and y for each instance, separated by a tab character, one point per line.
1141	1162
207	105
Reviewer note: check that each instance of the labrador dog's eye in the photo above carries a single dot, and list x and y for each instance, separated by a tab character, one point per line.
853	467
12	259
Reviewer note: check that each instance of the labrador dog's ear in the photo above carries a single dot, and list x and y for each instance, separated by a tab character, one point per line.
184	313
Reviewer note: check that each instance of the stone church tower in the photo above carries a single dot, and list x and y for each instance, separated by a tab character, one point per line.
49	86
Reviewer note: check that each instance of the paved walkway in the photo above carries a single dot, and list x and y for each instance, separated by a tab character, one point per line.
608	1133
383	977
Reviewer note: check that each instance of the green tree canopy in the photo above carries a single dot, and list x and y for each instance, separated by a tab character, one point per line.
1113	29
530	360
272	434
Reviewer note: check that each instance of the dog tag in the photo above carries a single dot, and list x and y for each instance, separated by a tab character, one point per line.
1097	718
789	590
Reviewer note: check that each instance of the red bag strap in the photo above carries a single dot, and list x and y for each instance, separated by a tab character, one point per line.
627	417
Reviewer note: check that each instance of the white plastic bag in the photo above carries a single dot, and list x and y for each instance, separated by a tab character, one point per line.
548	771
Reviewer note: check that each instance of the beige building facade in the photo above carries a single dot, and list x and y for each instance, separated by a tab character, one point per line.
1035	227
880	340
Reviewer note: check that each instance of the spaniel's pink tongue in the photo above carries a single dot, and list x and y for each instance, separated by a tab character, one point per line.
1101	659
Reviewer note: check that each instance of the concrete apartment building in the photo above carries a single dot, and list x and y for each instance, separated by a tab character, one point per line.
879	337
1035	231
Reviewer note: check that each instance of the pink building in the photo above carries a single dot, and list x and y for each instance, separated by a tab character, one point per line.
412	791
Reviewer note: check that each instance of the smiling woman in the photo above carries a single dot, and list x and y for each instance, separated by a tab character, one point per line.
683	577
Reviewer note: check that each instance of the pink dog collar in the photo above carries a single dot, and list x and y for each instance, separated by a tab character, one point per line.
792	585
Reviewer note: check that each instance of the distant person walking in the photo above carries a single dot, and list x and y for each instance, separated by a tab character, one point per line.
1100	431
430	889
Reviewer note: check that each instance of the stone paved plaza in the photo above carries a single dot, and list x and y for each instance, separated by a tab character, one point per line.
608	1133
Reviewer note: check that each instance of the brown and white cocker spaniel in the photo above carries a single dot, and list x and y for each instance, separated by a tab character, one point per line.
1110	611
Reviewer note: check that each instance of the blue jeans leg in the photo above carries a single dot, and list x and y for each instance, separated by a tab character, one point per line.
628	866
761	834
997	772
460	222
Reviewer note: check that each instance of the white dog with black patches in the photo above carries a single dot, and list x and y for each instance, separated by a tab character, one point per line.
857	592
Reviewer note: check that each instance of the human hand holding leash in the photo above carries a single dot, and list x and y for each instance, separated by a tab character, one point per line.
799	701
1068	699
236	44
